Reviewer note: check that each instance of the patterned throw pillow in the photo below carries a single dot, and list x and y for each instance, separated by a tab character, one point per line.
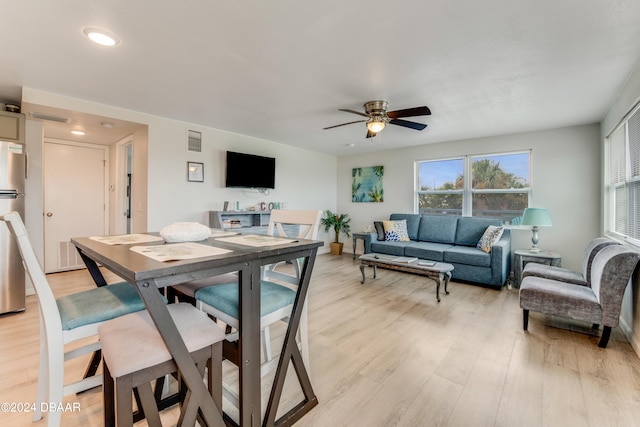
396	231
491	235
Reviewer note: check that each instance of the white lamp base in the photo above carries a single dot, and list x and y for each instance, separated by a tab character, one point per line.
534	240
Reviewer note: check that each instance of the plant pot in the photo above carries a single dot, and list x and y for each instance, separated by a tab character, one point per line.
336	248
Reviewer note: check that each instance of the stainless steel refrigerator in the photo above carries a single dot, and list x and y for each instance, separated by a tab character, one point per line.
12	276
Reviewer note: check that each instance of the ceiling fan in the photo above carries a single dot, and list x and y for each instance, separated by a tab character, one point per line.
378	117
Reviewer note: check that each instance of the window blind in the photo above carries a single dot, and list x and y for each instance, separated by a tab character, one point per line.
623	179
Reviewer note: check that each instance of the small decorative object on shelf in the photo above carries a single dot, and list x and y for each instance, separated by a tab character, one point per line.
339	223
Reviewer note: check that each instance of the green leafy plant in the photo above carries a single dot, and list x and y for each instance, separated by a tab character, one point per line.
337	222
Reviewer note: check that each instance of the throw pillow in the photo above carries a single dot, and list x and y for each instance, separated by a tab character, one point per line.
396	230
491	235
379	229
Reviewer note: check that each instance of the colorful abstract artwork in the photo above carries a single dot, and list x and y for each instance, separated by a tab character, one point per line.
367	184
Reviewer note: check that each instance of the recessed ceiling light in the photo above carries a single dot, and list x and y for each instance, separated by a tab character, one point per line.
101	37
107	125
78	132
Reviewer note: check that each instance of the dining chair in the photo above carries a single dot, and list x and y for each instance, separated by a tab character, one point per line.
135	355
277	290
66	320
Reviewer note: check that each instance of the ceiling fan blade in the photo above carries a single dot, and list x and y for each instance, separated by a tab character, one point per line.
409	112
371	134
353	111
343	124
408	124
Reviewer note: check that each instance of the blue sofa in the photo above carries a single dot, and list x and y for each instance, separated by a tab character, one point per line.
452	240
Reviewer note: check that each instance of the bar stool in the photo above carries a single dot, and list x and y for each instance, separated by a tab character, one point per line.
134	355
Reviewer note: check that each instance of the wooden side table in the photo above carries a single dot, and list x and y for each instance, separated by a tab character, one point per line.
523	256
355	237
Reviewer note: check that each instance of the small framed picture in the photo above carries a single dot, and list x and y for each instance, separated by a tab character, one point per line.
195	172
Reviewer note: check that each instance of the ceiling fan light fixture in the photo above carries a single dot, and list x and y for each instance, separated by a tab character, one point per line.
375	125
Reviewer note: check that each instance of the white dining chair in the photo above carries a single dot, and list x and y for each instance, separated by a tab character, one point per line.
66	320
277	290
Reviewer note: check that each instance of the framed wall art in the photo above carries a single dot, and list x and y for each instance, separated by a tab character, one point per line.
195	172
367	184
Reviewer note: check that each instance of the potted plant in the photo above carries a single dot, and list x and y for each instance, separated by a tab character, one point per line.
339	223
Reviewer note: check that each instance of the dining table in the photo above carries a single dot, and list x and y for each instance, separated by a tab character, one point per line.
152	264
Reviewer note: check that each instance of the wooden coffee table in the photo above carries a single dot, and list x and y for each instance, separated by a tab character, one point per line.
436	271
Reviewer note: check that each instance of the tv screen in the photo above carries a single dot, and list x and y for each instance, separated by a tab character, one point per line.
250	171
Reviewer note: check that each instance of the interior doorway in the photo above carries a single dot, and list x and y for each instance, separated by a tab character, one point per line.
75	199
124	182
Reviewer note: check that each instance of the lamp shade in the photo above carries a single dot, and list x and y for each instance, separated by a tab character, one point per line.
537	217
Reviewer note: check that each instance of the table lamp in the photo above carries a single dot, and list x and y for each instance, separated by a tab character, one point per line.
535	217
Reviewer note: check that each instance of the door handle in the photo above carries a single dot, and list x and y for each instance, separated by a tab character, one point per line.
49	214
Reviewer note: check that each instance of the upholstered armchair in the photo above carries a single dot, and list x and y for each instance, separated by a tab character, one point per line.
599	304
569	276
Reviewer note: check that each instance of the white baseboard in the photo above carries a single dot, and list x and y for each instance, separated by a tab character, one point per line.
633	339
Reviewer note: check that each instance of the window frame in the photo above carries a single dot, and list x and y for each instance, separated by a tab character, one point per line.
629	230
468	192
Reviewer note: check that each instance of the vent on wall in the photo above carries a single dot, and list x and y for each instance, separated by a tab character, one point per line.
68	256
49	117
194	142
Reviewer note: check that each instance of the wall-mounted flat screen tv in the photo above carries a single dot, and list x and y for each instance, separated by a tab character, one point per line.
250	171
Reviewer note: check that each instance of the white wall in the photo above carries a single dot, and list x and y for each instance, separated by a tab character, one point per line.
304	179
565	179
34	208
628	97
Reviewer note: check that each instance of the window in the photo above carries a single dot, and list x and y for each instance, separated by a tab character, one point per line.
622	179
494	185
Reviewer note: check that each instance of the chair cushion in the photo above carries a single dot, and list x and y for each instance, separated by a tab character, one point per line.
553	273
99	304
190	288
225	297
560	299
132	342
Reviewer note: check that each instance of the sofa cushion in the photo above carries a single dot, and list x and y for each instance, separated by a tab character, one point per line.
413	221
390	248
437	228
471	229
379	229
491	235
467	255
427	250
396	230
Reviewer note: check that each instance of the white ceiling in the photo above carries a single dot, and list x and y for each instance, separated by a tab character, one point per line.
280	69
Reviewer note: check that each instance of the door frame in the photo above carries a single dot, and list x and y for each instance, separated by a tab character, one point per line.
121	170
105	192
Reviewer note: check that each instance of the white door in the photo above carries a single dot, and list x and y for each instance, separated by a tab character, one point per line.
75	204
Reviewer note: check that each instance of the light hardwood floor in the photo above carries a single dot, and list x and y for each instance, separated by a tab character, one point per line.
387	354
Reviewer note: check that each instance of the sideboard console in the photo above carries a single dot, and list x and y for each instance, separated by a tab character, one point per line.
253	221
